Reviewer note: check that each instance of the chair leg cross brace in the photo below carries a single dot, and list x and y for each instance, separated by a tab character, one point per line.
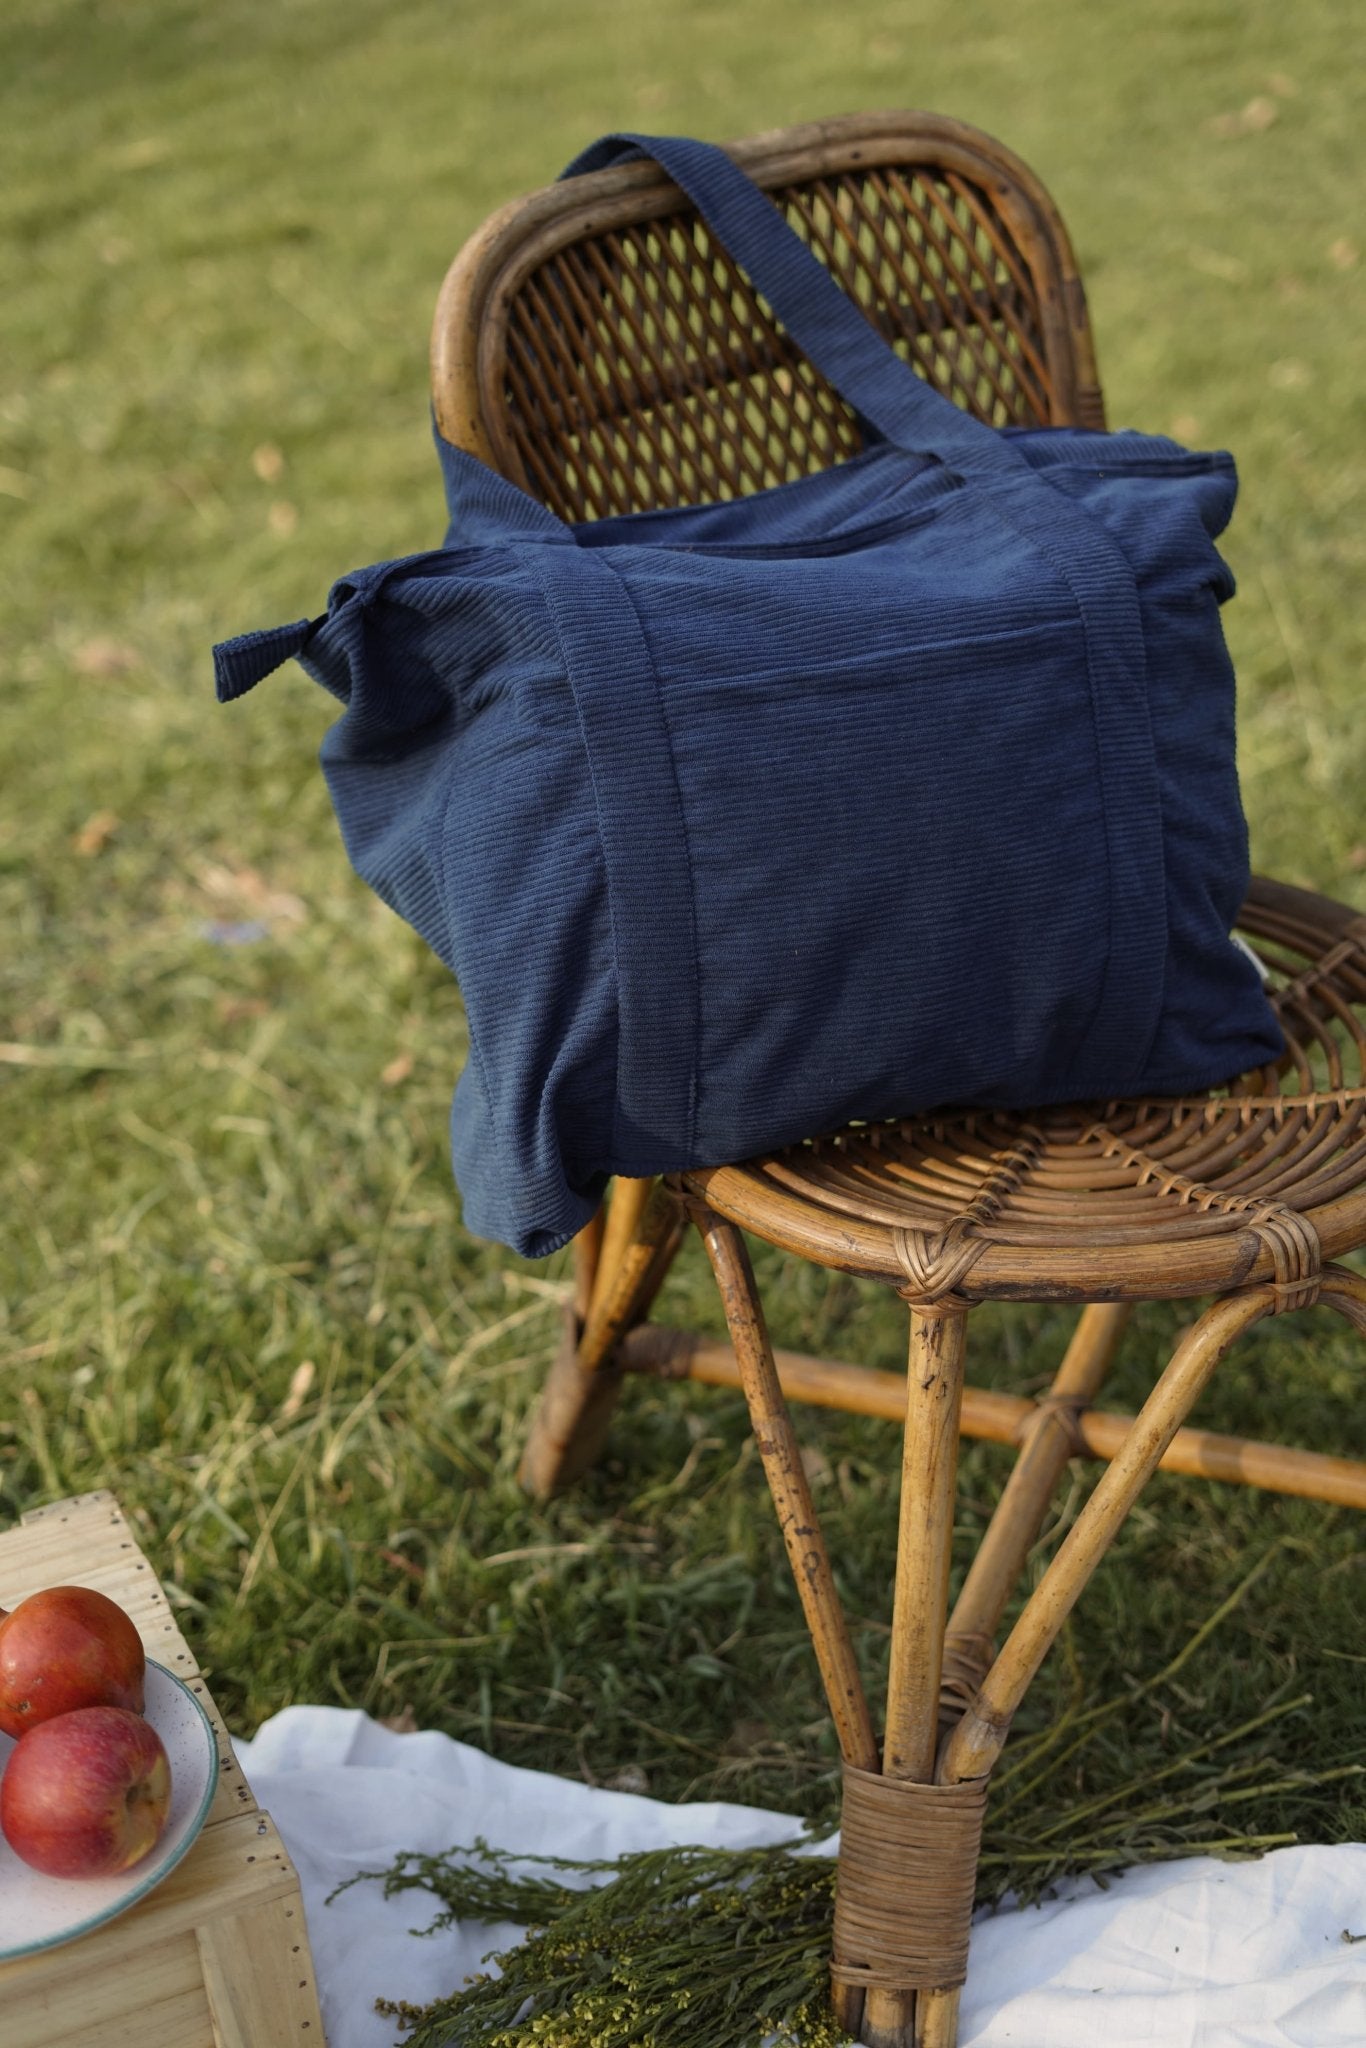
916	1829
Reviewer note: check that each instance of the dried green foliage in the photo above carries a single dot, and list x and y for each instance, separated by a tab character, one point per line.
709	1948
677	1948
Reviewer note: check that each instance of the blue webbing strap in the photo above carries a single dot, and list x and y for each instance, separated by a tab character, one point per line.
649	872
820	317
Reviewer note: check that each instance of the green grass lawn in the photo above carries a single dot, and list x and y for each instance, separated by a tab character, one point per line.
235	1285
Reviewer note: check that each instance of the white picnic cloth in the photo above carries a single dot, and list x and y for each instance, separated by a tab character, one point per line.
1196	1954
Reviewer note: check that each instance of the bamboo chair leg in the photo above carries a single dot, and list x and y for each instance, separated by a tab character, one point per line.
973	1747
1049	1443
618	1223
786	1475
797	1517
587	1250
581	1391
937	2019
976	1743
929	1466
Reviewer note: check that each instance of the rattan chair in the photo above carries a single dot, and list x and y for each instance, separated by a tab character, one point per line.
593	345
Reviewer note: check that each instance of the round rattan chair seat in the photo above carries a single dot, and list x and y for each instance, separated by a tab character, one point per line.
1109	1201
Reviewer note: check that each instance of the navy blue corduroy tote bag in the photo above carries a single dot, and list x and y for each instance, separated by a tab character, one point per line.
907	784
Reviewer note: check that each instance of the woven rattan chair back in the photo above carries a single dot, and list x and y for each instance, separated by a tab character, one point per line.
594	344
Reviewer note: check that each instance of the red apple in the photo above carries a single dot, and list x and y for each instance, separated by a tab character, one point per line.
86	1794
65	1648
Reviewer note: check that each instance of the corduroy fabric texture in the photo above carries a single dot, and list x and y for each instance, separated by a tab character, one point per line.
906	784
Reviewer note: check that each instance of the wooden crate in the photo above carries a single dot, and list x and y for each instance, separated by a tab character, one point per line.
217	1956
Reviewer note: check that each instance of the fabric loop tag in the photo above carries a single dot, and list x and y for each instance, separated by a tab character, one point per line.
239	665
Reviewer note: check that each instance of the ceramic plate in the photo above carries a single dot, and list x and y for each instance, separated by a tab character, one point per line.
39	1912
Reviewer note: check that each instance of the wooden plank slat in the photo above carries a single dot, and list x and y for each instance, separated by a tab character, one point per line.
160	2004
257	1972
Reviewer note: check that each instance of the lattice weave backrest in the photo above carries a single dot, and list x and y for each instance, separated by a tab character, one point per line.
633	366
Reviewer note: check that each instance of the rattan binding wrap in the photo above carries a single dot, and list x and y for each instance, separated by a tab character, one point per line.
907	1875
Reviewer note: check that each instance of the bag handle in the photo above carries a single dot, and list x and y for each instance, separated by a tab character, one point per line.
1072	543
820	317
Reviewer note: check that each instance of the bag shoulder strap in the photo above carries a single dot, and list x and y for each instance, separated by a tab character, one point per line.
820	317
